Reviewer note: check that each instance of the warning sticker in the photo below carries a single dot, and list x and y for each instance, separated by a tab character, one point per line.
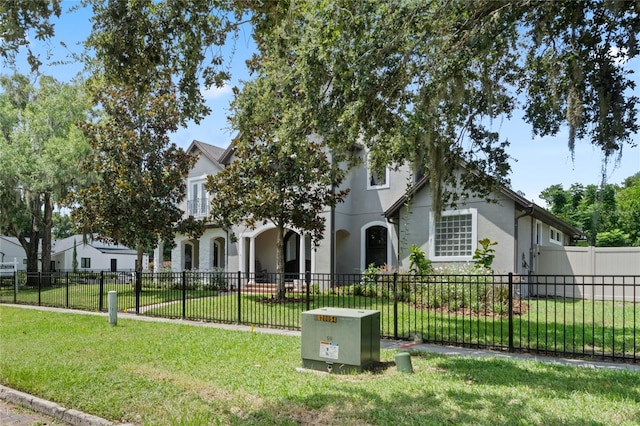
329	350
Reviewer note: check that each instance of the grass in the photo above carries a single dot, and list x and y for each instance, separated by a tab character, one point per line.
175	374
583	327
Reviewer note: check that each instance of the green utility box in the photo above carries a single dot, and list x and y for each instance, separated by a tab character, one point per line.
340	340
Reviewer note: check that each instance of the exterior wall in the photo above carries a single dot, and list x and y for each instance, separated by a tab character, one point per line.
364	207
10	252
494	221
99	261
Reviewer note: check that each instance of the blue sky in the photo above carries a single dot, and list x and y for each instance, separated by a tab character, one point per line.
537	162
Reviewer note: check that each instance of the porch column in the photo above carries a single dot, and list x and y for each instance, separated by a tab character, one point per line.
241	255
252	256
157	256
302	256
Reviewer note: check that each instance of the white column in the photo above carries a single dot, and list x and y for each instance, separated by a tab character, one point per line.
252	256
157	256
241	255
302	255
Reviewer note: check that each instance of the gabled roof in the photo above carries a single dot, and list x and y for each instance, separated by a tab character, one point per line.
212	152
521	203
58	246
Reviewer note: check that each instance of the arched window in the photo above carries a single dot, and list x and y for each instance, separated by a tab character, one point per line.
375	246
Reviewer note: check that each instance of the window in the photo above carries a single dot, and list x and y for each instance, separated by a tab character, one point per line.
377	179
538	232
454	235
198	200
375	246
85	262
555	236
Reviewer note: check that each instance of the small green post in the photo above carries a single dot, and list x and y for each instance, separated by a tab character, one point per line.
403	362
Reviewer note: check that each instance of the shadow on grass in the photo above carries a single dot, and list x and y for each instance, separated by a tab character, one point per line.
471	391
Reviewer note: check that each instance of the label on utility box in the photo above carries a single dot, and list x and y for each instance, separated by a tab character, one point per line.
329	350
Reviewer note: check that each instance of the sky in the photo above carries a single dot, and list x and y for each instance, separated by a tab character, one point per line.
536	163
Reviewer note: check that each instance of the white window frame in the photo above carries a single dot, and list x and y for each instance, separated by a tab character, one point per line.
369	173
363	243
200	181
555	236
474	235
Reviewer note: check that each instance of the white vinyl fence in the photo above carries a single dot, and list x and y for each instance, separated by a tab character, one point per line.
600	273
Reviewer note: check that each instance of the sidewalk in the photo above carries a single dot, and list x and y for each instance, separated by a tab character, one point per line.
11	414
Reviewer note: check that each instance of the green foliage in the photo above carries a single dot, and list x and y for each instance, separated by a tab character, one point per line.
40	152
17	19
422	82
608	214
613	238
484	254
138	175
419	264
139	44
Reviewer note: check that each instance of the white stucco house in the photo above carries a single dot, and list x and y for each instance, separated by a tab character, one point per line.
12	251
92	255
376	223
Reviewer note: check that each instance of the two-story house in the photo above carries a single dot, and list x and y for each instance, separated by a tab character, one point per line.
376	224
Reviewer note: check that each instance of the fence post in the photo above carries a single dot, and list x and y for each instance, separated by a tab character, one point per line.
101	302
239	301
39	288
66	280
138	285
15	285
510	296
184	294
395	305
307	280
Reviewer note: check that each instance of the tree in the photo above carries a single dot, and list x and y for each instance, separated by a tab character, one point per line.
17	18
628	203
138	174
422	82
62	226
40	149
139	43
286	183
608	215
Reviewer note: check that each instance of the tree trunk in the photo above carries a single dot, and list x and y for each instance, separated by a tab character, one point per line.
46	240
139	261
280	261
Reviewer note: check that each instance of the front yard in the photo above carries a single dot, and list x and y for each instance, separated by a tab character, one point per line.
173	374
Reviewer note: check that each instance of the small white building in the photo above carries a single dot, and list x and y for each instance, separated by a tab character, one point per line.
12	251
93	255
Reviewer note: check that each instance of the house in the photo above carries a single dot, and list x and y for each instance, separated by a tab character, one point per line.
11	251
376	224
93	255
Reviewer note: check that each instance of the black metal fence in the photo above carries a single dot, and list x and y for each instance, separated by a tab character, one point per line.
584	316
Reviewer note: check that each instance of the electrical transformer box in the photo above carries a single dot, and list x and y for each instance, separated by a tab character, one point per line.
340	340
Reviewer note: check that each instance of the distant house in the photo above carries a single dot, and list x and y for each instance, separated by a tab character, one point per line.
12	251
92	255
376	224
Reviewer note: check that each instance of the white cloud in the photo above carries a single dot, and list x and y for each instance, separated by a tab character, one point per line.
216	92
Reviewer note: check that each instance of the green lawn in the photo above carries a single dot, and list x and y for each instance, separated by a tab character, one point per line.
175	374
584	327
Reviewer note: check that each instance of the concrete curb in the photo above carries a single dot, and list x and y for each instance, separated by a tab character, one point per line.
51	409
